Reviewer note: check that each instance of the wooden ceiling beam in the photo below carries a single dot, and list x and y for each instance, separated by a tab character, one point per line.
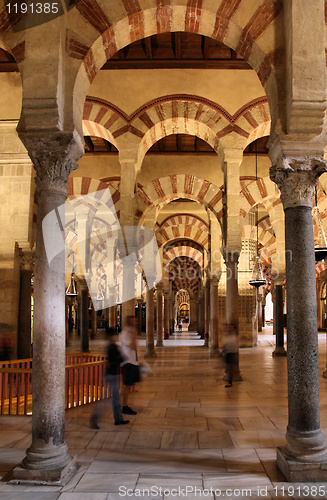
177	45
148	47
174	63
89	142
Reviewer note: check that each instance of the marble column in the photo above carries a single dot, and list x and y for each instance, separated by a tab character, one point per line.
231	261
279	312
94	322
259	306
304	458
166	314
139	315
149	350
84	318
159	317
128	291
206	314
199	315
214	341
112	308
47	459
24	323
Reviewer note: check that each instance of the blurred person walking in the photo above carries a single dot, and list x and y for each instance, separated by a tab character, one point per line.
112	377
130	367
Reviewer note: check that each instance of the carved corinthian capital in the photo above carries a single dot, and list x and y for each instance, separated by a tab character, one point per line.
297	179
54	157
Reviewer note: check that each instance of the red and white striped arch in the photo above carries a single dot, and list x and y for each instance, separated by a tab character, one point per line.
177	114
252	36
182	251
262	190
183	226
80	186
159	192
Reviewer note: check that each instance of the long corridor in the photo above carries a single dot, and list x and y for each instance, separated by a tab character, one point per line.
189	431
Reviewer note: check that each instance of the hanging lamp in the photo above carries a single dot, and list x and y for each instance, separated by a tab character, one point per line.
257	278
321	249
71	289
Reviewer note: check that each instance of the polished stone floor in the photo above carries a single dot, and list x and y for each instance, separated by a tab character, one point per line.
190	431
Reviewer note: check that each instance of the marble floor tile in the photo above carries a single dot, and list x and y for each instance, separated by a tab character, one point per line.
237	480
239	459
106	483
179	439
224	424
137	440
252	439
215	439
168	481
255	423
83	496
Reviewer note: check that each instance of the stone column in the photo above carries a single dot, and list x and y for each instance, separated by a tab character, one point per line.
128	301
94	321
47	460
149	351
166	313
159	316
259	305
206	314
214	341
24	322
193	315
84	318
279	311
111	309
199	315
171	315
304	458
231	261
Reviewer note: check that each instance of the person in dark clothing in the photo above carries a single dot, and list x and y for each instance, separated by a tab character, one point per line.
112	376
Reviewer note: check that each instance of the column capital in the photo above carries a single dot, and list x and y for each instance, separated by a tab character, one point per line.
231	256
54	157
297	179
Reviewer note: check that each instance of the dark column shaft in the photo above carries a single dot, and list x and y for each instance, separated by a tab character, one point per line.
302	338
24	328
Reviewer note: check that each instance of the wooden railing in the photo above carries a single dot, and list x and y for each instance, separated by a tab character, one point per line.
84	383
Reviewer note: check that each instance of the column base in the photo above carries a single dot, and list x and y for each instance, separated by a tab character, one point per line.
279	351
159	343
150	353
301	472
50	477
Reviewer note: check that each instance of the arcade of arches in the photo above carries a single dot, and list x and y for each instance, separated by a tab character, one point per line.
202	120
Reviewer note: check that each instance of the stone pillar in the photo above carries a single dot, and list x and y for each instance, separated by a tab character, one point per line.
112	308
193	315
84	318
94	321
159	317
206	314
149	351
166	314
24	322
128	303
199	315
231	261
304	458
279	311
47	460
214	341
171	315
259	306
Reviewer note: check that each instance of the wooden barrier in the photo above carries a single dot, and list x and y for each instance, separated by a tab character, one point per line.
84	383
